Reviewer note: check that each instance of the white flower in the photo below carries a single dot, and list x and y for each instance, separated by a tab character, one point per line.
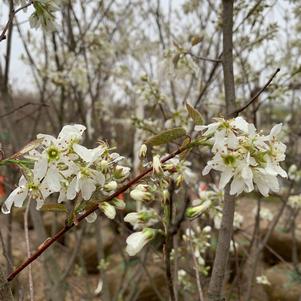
108	210
142	218
136	241
293	173
265	213
263	280
245	156
34	189
43	15
294	201
238	220
86	178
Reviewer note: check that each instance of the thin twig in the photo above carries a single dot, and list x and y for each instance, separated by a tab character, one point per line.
195	264
23	106
236	113
31	293
202	58
11	18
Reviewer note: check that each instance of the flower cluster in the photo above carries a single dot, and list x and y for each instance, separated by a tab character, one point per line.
245	155
199	241
43	16
294	201
62	165
294	173
264	214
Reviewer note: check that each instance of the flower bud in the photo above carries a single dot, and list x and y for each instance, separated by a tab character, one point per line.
111	186
157	168
104	165
196	211
166	195
108	210
142	151
207	229
136	241
121	172
118	203
139	195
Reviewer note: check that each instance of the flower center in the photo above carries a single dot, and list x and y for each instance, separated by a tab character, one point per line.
229	159
53	154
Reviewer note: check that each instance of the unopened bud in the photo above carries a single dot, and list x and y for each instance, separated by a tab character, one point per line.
108	210
143	151
157	164
196	211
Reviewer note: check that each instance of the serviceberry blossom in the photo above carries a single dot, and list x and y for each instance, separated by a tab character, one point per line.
137	240
143	218
43	16
64	166
245	156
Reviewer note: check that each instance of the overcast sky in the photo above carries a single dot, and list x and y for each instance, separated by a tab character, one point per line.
20	73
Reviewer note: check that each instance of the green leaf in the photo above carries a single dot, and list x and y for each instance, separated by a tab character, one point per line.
54	208
166	136
194	114
185	143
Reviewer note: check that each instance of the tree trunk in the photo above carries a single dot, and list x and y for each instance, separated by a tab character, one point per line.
215	292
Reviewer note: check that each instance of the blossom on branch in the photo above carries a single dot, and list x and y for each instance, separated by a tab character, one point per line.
245	156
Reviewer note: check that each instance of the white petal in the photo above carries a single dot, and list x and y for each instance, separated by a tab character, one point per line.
72	131
71	190
40	168
40	203
47	139
16	197
99	287
62	196
91	218
88	155
275	131
53	179
99	178
237	186
225	177
87	187
207	169
241	124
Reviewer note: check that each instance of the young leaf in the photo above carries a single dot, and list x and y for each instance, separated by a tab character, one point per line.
194	114
166	136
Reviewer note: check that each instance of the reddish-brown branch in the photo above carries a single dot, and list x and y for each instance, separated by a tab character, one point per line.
44	246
